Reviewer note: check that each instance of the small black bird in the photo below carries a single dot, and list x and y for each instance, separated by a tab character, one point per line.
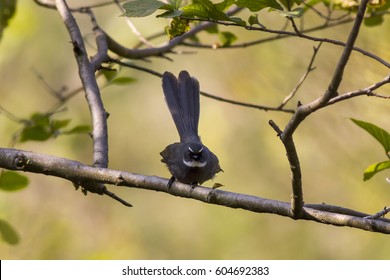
189	161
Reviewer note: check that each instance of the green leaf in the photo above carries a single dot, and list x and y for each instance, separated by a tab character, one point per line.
375	168
35	133
381	135
177	27
79	129
109	74
207	3
224	5
253	19
255	6
171	14
238	20
175	3
58	124
40	127
204	9
12	181
227	38
123	81
195	10
40	119
7	11
37	128
8	233
142	8
296	13
373	20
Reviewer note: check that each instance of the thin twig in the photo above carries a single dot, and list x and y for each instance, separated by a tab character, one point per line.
49	4
332	91
222	99
10	116
283	34
58	94
132	27
380	214
369	91
309	69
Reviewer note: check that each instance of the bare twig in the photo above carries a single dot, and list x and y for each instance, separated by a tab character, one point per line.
58	94
328	17
366	91
380	214
294	25
305	110
234	102
281	34
9	115
247	105
50	4
309	69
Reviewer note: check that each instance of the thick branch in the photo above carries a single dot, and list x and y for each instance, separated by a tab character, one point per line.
339	72
92	92
79	173
305	110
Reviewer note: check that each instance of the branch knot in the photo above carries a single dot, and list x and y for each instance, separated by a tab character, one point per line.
20	161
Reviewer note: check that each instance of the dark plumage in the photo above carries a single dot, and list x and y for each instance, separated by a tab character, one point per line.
189	161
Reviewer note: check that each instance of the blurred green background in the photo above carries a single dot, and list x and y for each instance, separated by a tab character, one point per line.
56	222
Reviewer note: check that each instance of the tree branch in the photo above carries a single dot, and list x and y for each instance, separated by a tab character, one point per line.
79	173
92	92
304	110
166	48
281	34
366	91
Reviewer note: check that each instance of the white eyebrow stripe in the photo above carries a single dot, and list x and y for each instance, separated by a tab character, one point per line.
194	163
201	149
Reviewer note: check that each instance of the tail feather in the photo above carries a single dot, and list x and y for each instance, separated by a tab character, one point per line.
182	97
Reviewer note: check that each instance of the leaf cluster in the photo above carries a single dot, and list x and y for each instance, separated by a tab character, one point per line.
39	127
206	10
182	15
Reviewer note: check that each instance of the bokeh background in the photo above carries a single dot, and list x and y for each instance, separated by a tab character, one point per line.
56	222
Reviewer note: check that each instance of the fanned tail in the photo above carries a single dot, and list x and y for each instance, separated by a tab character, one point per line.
182	97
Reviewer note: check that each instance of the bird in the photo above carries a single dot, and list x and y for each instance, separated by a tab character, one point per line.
188	161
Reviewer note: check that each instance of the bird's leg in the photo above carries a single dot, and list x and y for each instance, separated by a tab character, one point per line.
170	182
